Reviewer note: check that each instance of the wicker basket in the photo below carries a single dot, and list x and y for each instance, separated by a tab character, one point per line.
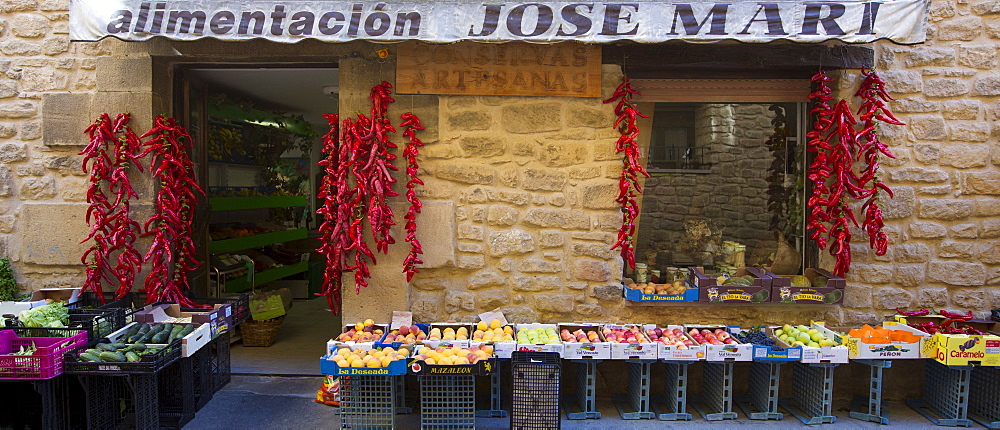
260	333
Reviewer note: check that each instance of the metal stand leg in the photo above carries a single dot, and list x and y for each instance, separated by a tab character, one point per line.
496	394
636	405
946	390
673	405
716	401
761	403
813	393
584	406
875	411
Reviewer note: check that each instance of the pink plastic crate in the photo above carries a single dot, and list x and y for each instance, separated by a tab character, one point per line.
45	363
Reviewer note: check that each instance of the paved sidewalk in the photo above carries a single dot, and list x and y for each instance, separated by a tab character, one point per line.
269	402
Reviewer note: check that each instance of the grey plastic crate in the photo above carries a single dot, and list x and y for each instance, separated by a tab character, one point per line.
946	395
984	402
716	400
447	401
495	409
812	391
761	400
872	408
636	403
367	402
672	406
583	405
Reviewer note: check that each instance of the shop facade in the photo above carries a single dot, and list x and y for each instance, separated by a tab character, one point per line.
519	190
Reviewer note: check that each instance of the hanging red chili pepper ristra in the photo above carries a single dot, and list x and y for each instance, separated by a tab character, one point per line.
333	230
819	171
172	250
411	125
873	109
628	182
112	229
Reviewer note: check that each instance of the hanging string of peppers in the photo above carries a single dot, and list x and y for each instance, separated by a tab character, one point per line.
873	109
357	186
838	145
172	251
411	125
628	182
112	230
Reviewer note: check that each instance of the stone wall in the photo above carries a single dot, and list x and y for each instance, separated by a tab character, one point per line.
733	193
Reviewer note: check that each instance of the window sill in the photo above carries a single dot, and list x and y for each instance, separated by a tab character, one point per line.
681	171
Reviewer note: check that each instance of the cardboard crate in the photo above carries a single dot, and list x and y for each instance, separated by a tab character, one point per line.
858	350
449	343
779	352
636	295
381	343
190	344
539	347
483	367
334	343
598	350
644	349
219	317
965	350
823	354
671	353
329	367
783	292
731	352
500	349
710	291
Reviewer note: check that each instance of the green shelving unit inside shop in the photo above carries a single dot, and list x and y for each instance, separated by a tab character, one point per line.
257	202
261	278
257	240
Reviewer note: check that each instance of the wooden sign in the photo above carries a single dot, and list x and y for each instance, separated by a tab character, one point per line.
509	69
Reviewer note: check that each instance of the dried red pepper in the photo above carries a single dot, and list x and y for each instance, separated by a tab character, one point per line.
919	313
172	250
113	231
957	316
873	109
628	183
333	229
411	125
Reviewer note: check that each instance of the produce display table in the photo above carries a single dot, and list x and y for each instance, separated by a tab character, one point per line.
673	405
584	405
716	400
812	393
875	410
761	401
946	395
635	404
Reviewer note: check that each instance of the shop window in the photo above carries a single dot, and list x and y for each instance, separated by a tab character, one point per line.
748	187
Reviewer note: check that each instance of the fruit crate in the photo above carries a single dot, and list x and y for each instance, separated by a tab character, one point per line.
761	400
636	295
673	405
149	364
946	394
447	401
984	402
716	400
367	402
812	393
635	404
45	363
535	378
757	291
829	292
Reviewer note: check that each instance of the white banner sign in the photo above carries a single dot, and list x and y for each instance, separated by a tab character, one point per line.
902	21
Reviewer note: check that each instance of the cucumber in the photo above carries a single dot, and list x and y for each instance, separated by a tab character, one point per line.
160	337
106	347
174	333
139	347
131	331
87	356
132	357
94	351
111	357
137	335
167	327
152	332
187	330
118	345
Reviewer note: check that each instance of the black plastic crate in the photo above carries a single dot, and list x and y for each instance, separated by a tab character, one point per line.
535	378
46	331
122	401
240	304
51	404
203	376
176	393
150	363
221	365
98	322
447	401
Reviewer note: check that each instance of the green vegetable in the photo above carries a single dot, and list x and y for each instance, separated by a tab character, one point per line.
53	314
174	333
106	347
111	356
88	356
139	347
8	286
132	357
160	337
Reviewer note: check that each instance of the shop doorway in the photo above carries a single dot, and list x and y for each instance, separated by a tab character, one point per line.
257	138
